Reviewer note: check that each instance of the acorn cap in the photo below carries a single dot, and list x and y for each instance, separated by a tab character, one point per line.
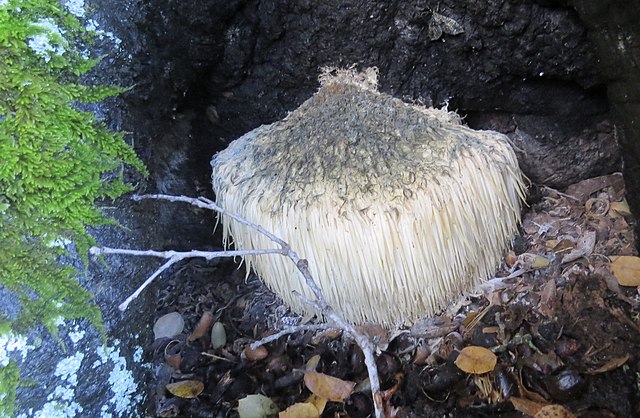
398	208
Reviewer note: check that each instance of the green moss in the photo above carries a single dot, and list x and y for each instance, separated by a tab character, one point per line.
57	161
9	379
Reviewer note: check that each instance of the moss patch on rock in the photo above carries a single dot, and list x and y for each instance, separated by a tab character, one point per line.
57	161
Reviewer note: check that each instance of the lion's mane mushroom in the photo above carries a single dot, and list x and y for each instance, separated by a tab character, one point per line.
398	208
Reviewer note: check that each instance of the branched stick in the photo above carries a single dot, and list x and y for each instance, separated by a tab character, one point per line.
302	265
173	257
290	330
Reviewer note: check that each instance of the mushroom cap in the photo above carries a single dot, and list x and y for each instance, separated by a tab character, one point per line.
398	208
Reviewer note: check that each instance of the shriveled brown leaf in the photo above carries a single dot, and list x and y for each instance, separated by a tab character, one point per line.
554	411
547	296
526	406
626	269
376	333
582	190
259	353
584	247
610	365
186	388
173	354
203	325
597	206
528	394
476	360
300	410
329	334
328	387
562	246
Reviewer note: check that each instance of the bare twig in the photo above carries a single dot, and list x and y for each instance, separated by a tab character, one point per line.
559	193
123	306
173	257
204	203
302	265
181	255
290	330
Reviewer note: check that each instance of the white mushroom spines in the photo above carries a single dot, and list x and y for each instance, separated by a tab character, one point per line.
398	208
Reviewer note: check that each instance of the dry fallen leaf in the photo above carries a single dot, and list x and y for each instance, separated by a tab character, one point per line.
173	355
554	411
526	406
476	360
626	269
218	335
563	246
329	334
312	363
328	387
256	406
376	333
610	365
319	402
584	247
203	325
186	388
534	261
259	353
300	410
621	207
168	325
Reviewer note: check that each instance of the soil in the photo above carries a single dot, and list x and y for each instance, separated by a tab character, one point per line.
563	330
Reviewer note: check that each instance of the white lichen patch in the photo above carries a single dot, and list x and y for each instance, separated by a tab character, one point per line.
75	7
62	401
49	42
11	342
121	381
76	335
93	26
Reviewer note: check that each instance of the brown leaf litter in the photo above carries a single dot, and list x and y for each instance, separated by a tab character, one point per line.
561	318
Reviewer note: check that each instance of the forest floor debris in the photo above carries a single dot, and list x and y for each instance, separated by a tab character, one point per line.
556	332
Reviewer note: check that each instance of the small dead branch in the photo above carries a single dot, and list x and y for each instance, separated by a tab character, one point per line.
173	257
288	331
319	303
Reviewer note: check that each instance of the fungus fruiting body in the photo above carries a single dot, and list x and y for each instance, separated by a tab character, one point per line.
398	208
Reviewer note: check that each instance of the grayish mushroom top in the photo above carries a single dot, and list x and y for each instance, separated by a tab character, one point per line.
352	145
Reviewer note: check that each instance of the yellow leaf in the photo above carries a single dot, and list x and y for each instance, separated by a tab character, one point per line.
533	260
312	363
526	406
553	411
186	388
476	360
621	207
328	387
540	262
300	410
626	270
319	402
